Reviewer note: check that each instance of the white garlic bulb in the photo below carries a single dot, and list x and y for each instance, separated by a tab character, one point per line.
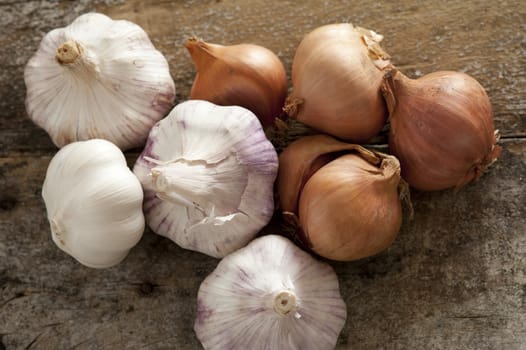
270	295
98	78
93	202
208	173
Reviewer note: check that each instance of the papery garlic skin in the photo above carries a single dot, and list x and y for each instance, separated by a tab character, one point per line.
208	173
98	78
270	295
93	202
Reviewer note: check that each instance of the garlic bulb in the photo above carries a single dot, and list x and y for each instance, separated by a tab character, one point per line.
245	75
98	78
336	78
208	173
343	198
93	202
270	295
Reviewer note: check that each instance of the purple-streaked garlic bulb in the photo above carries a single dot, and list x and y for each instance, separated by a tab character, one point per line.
270	295
208	173
98	78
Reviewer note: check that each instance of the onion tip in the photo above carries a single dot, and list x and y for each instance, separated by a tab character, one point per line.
292	106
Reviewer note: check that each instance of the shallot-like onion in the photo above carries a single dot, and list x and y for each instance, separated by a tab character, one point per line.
336	78
442	128
245	75
342	197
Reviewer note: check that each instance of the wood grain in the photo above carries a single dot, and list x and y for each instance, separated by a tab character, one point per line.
455	278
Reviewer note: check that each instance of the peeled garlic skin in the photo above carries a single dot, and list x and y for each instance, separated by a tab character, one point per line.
235	302
117	88
208	173
245	75
350	209
441	129
93	202
338	84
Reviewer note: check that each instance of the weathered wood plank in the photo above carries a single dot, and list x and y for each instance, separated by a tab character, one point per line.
454	278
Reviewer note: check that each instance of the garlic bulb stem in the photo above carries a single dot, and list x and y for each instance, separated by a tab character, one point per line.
69	52
200	184
84	63
285	303
159	180
166	186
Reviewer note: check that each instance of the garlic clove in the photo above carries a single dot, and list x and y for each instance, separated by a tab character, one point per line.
98	78
245	75
270	295
208	173
93	203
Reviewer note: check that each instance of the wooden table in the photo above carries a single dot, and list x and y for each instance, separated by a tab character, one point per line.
455	278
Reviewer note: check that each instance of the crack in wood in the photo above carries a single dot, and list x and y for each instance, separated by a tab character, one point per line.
17	296
33	342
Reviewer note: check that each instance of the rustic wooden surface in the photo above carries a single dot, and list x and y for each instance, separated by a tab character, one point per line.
455	278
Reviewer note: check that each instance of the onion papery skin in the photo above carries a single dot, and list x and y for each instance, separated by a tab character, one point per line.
442	129
246	75
342	199
304	157
336	78
349	210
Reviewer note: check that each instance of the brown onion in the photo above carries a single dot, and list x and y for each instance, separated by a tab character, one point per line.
245	75
336	78
441	128
343	198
